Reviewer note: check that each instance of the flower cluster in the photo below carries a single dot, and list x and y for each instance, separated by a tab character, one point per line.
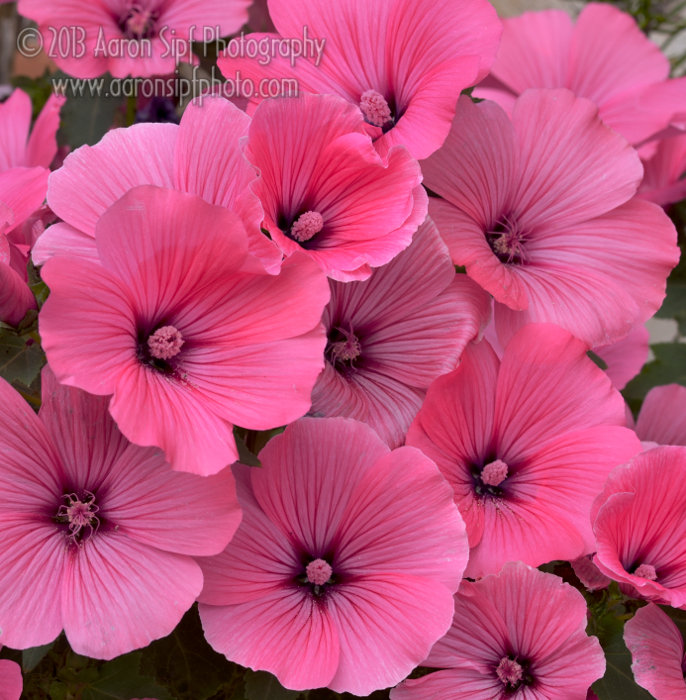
422	306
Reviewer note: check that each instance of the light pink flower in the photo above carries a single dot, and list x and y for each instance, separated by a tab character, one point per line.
182	327
130	37
402	62
526	443
657	653
662	418
517	635
98	534
343	569
325	190
201	156
663	181
605	58
24	161
390	336
11	682
540	212
638	521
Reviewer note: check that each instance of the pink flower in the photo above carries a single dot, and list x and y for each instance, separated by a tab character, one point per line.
403	63
183	327
625	357
325	190
24	162
640	529
98	534
130	37
589	574
663	181
11	682
540	212
663	415
517	635
526	443
390	336
343	569
657	652
605	58
201	156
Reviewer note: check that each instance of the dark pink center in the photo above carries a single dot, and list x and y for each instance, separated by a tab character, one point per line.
165	343
509	671
79	513
375	108
138	22
506	240
318	572
306	226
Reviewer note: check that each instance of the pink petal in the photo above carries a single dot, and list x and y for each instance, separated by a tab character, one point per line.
119	595
657	651
61	238
11	682
626	357
663	415
574	167
42	144
22	191
15	120
92	178
15	296
297	639
33	556
223	18
458	683
417	610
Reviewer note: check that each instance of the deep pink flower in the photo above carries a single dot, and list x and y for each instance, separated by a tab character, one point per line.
130	37
402	62
526	443
390	336
657	653
98	534
517	635
24	161
540	212
11	682
325	190
663	415
663	180
638	521
201	156
183	328
343	569
605	58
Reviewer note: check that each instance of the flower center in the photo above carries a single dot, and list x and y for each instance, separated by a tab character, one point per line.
494	473
138	23
375	109
165	343
318	572
307	226
509	672
646	571
506	241
79	514
343	348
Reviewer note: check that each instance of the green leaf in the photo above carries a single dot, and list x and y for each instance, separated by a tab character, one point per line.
618	682
674	305
30	658
120	679
86	117
188	667
261	685
21	357
669	366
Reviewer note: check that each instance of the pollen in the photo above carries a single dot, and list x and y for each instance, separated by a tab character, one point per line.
165	343
79	514
375	108
494	473
646	571
307	226
509	671
318	572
